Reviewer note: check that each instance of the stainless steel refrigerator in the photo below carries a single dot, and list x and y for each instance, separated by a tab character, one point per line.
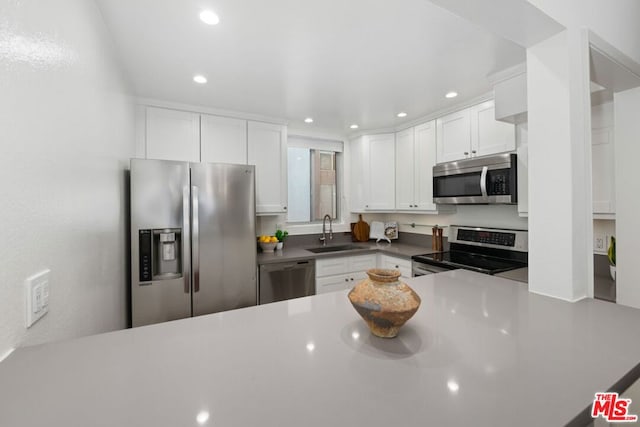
193	240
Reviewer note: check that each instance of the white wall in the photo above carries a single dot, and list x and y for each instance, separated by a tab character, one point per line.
560	219
496	216
615	21
66	133
627	131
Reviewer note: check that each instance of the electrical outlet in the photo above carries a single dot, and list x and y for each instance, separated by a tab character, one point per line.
599	243
37	296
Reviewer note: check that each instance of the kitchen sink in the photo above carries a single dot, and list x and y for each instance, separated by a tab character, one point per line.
337	248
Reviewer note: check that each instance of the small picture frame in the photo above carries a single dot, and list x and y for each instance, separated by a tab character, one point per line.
391	230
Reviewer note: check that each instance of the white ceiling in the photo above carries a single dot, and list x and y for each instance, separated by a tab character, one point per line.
340	62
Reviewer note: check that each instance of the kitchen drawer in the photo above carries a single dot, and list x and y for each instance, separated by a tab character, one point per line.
332	266
362	263
341	265
333	283
394	263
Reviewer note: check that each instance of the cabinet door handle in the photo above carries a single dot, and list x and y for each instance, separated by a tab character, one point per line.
473	151
284	208
466	153
415	206
397	266
352	279
346	280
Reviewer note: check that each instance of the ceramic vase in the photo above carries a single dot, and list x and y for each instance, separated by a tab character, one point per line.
384	302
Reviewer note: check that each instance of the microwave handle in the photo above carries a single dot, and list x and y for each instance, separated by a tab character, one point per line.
483	182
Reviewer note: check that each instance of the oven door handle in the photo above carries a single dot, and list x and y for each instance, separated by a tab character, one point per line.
483	182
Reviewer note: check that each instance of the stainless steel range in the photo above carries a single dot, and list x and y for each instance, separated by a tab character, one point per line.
485	250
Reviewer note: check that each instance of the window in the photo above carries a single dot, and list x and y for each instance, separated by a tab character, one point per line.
313	181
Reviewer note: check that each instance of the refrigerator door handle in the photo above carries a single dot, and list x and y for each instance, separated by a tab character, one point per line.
185	241
195	244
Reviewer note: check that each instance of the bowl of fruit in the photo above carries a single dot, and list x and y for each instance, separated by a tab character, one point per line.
268	243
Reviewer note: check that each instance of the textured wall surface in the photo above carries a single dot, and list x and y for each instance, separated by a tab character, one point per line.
66	133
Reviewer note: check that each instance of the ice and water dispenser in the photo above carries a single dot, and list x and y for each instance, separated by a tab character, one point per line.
160	254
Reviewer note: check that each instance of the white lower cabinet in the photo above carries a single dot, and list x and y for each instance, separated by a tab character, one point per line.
339	282
341	273
395	263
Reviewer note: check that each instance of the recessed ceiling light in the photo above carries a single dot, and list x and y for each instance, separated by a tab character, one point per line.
354	126
402	114
209	17
308	120
200	79
451	94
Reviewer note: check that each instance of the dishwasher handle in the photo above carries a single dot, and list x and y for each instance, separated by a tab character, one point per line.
286	266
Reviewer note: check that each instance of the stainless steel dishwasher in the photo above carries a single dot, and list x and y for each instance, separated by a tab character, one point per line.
286	280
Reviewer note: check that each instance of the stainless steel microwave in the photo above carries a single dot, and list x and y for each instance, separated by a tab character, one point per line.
480	180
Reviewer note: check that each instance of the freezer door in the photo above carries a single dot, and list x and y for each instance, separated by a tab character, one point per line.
160	241
224	237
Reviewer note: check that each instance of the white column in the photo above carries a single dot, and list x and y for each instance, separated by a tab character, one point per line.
560	218
627	140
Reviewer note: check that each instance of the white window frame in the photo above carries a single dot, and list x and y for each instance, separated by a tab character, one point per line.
329	144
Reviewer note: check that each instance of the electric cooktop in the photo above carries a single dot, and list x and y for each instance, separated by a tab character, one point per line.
486	250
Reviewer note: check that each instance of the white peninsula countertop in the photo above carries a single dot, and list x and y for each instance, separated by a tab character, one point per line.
480	351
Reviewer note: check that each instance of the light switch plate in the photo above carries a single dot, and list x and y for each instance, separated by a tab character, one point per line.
37	296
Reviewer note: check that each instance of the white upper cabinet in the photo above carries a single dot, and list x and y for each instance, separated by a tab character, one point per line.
405	169
489	136
223	140
454	136
172	135
267	150
381	172
424	160
415	157
473	132
603	159
359	186
373	173
510	94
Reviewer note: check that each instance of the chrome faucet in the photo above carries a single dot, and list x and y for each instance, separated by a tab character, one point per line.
323	239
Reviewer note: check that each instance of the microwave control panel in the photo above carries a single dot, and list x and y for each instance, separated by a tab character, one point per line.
498	182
